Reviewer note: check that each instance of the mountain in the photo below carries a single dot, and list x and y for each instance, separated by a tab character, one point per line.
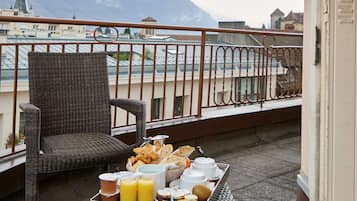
173	12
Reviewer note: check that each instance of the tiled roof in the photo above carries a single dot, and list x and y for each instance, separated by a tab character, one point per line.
278	12
280	40
149	19
296	17
183	37
21	5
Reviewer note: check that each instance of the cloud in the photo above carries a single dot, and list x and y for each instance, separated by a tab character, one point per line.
109	3
254	12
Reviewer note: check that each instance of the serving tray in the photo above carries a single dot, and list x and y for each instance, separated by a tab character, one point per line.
217	189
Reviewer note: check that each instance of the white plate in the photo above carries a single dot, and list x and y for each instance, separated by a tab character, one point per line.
176	184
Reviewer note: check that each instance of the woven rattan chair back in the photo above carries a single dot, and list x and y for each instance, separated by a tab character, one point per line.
72	91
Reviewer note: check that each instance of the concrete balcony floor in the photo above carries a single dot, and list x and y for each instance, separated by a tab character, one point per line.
264	164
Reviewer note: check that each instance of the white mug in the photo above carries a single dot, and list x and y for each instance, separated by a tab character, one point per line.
156	172
206	165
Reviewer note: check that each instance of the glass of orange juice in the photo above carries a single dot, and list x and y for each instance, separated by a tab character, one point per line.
145	189
128	188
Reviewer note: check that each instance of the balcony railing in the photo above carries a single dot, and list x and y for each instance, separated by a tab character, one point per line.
176	79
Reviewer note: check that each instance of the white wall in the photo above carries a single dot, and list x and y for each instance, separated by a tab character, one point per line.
330	148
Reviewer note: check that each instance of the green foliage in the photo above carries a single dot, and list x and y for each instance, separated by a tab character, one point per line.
9	140
127	31
123	56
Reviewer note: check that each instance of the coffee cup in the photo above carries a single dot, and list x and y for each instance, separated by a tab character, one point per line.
108	183
206	165
190	178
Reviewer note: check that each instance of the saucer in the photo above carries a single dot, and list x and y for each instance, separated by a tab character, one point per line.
219	174
176	184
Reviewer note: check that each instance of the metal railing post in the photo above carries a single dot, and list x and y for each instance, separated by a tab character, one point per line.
201	73
14	106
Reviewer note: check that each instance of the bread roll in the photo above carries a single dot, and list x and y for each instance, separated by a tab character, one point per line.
166	151
184	151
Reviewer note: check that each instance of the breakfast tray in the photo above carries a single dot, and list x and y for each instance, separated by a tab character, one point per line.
219	188
220	191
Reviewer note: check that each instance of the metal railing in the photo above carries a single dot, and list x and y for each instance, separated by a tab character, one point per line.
177	79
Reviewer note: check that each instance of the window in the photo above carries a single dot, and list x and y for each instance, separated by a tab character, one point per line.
289	27
178	106
246	88
35	27
278	23
156	104
221	97
52	27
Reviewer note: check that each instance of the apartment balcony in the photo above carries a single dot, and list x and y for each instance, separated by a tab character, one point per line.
241	104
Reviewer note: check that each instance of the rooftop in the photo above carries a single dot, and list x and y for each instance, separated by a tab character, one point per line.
297	17
278	12
22	6
190	48
149	19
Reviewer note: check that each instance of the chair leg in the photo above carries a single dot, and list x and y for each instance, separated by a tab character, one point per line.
31	185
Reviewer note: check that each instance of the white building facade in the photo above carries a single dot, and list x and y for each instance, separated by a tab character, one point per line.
37	30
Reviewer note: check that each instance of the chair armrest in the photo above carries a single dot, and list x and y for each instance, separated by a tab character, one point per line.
138	108
32	129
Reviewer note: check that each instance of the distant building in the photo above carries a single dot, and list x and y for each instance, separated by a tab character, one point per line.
276	18
22	9
22	6
167	60
294	21
251	39
148	32
183	37
233	38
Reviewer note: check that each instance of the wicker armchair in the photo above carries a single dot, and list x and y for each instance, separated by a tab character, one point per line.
67	122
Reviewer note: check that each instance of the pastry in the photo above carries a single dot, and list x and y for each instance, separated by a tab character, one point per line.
166	151
184	151
137	164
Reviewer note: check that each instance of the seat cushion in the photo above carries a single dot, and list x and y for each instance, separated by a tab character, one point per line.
72	151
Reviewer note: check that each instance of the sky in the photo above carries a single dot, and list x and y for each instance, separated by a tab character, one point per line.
254	12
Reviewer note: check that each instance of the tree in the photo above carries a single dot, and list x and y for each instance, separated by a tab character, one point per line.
9	141
127	31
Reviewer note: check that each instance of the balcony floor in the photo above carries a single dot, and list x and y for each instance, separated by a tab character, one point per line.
264	160
266	172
